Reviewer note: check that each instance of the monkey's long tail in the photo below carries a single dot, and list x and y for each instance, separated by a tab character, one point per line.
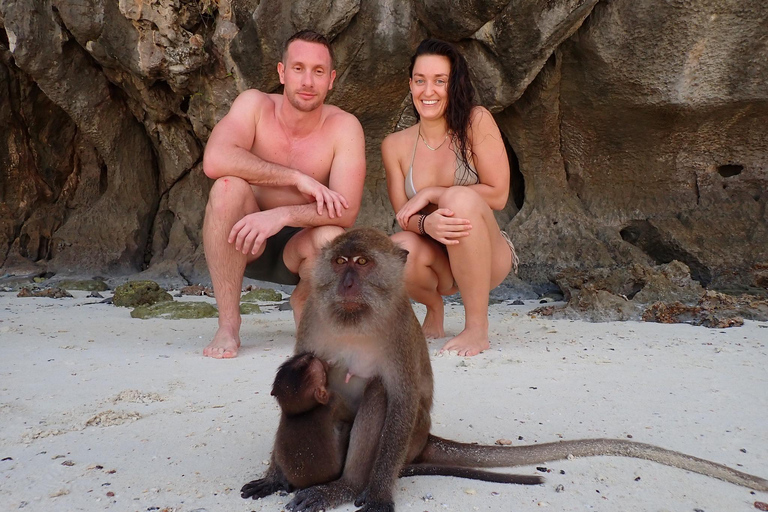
470	473
445	452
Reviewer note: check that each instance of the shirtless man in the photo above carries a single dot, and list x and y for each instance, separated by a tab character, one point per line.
289	174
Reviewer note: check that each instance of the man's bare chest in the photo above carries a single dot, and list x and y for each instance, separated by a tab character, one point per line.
312	155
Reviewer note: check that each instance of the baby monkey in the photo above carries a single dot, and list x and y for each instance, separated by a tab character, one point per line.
313	435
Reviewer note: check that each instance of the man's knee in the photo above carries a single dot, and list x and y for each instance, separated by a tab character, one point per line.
226	193
323	235
302	250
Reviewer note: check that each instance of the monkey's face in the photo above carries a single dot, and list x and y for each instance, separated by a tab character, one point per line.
358	272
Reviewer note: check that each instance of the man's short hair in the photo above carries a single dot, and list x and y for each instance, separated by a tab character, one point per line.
309	36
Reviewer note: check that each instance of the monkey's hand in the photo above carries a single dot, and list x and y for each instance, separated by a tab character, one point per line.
443	227
249	233
323	196
256	489
367	505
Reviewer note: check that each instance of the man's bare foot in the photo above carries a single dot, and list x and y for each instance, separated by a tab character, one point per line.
433	325
224	345
469	342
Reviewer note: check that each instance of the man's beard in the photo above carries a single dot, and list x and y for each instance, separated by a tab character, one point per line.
305	105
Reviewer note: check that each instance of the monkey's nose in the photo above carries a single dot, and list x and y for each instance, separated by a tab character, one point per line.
349	279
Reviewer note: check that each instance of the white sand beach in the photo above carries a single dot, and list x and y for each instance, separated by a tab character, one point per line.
99	411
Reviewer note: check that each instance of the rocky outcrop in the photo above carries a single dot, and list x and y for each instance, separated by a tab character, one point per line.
634	127
662	293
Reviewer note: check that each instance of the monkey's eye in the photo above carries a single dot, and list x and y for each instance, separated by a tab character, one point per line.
341	260
361	260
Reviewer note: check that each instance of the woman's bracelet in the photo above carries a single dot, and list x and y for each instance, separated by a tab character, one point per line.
421	223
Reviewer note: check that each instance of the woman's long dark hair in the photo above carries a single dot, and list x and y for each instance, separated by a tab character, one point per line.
461	93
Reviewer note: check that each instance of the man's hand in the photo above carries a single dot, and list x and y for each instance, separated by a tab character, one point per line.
322	195
250	232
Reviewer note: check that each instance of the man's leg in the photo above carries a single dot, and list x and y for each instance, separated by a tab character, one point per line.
229	201
299	256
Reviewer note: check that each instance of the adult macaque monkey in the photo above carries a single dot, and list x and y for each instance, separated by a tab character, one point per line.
313	435
359	319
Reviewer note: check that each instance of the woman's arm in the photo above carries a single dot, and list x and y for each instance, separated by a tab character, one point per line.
394	172
490	159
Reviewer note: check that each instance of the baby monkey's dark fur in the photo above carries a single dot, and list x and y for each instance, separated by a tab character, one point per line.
359	319
313	435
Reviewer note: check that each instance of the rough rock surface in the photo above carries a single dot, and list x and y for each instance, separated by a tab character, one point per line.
635	128
139	293
175	311
663	293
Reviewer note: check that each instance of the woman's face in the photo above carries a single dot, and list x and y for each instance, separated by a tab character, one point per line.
429	85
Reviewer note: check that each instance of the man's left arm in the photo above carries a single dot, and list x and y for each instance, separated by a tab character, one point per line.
347	177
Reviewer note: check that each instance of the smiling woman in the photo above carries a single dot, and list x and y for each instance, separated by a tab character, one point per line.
445	176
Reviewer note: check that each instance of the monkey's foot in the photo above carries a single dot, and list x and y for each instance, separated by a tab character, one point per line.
224	345
377	507
321	497
368	505
469	342
256	489
433	325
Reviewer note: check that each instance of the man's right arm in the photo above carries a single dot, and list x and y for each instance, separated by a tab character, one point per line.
228	151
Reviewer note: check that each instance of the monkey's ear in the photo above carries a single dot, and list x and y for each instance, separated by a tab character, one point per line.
401	253
321	395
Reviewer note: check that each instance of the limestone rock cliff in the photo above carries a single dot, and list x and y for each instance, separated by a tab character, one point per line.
635	128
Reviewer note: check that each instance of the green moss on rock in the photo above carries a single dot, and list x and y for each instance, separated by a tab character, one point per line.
86	285
139	293
249	309
175	311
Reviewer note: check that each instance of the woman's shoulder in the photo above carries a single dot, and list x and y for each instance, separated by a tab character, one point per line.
397	140
482	124
479	114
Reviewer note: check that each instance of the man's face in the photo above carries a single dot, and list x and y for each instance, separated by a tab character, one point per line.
306	74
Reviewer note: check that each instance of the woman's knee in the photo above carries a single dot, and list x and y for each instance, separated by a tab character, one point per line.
461	199
405	239
418	254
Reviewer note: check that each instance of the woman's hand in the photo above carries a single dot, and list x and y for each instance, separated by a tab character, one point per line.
411	208
443	227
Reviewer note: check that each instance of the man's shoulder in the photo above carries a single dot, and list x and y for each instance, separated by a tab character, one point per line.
338	119
254	98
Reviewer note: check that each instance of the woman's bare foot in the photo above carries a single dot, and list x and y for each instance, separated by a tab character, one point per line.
225	344
433	324
468	342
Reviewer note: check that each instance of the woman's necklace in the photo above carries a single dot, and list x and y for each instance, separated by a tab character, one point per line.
430	147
